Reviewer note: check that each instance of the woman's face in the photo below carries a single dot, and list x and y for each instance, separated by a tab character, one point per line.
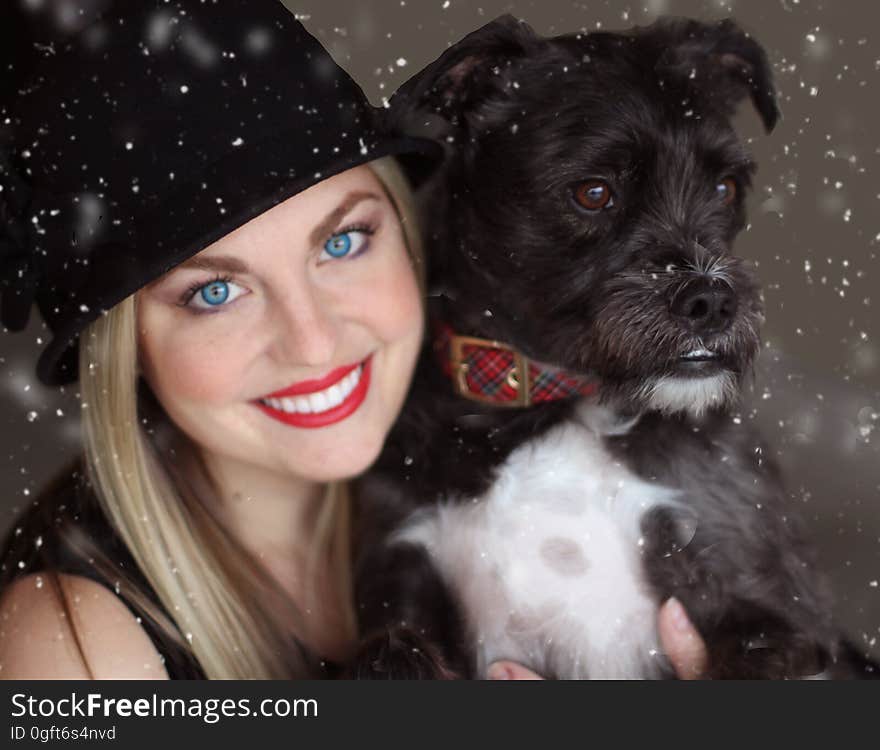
289	344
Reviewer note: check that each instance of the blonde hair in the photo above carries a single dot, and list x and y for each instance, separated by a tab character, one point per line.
225	607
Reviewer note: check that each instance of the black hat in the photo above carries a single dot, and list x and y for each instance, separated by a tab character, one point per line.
160	128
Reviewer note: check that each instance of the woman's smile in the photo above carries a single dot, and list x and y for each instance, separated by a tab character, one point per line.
318	403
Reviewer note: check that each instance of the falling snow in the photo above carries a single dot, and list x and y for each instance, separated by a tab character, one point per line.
814	236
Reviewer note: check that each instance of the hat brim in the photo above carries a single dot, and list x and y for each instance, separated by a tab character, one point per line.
247	185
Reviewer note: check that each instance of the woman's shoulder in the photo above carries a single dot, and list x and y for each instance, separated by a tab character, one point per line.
74	599
71	627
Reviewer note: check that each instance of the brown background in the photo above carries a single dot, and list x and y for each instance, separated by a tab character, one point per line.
815	234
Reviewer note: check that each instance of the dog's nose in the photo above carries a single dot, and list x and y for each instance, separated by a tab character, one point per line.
705	307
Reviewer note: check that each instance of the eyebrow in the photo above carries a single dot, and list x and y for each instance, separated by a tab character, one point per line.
224	263
331	221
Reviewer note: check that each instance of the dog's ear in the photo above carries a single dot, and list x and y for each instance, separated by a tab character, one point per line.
721	62
468	74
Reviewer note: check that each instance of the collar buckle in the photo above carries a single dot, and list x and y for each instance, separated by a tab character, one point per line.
517	377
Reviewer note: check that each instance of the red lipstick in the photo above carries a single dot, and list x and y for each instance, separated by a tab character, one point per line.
305	387
324	418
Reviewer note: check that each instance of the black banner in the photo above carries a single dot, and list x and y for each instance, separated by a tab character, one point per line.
287	714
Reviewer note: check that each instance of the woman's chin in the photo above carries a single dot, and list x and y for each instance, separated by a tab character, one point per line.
346	465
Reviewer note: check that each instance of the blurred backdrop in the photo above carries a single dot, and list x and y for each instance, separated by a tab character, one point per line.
814	233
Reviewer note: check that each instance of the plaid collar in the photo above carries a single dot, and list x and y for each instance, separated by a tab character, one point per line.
489	371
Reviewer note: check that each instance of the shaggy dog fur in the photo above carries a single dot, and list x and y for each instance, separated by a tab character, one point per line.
586	216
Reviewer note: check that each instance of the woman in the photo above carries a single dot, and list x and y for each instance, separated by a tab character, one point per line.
207	212
225	193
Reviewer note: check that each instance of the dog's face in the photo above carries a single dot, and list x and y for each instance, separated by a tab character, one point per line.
595	190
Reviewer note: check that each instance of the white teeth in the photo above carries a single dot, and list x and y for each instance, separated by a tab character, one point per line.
315	403
699	354
348	383
334	396
318	402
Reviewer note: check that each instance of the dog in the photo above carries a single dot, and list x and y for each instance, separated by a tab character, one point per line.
581	272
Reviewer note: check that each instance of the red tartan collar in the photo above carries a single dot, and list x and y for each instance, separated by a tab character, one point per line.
490	372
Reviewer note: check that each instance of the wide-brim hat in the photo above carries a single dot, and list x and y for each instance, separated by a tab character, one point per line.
156	131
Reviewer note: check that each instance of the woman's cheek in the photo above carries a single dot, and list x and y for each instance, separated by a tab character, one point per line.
199	368
399	300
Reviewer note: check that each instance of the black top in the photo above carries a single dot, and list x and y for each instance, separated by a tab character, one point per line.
67	532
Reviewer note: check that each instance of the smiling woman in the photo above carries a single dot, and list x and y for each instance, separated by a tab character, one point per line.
243	337
317	309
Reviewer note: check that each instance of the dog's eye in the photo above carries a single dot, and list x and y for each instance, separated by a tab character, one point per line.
593	195
726	190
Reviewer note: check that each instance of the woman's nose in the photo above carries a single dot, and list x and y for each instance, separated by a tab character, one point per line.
307	330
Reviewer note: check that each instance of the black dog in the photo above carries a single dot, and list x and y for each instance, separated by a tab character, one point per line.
586	218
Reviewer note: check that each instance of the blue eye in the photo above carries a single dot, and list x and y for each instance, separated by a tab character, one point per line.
351	242
339	245
215	294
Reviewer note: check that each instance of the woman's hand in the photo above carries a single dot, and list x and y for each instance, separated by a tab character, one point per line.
678	637
681	642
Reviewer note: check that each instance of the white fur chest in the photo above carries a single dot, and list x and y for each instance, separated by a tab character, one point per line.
547	564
